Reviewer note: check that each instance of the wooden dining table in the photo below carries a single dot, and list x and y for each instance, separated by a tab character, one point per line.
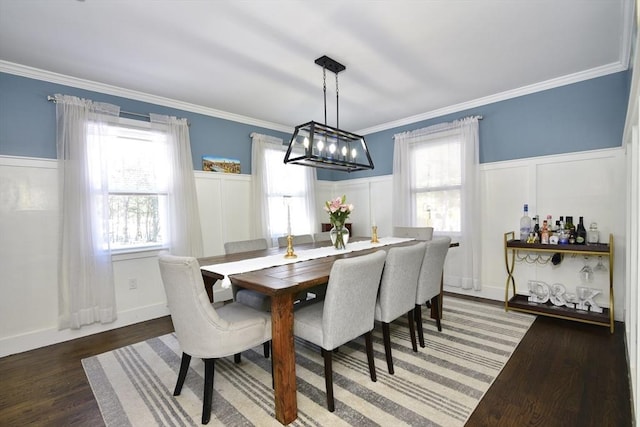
282	283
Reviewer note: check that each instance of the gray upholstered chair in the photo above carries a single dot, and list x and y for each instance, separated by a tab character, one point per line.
245	246
397	294
418	233
345	314
324	236
202	330
299	239
246	296
429	281
249	297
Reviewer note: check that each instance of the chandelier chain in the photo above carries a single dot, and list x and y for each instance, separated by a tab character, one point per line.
324	91
337	105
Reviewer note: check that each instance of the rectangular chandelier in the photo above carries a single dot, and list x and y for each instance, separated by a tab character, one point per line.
322	146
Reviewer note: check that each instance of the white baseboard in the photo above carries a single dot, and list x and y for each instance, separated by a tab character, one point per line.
488	292
45	337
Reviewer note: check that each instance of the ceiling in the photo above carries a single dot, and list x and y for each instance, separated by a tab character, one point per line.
405	60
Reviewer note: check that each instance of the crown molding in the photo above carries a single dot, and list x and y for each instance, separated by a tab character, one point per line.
51	77
48	76
502	96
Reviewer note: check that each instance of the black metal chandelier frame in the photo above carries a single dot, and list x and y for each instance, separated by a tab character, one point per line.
322	146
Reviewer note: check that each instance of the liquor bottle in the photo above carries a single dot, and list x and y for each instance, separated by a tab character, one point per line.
536	228
544	234
525	224
563	235
571	229
593	236
581	233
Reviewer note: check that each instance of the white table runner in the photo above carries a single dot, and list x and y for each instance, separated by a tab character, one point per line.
253	264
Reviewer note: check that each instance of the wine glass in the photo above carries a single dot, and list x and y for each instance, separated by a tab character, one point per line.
600	266
586	272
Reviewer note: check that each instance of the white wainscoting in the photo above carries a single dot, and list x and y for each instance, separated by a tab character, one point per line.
590	183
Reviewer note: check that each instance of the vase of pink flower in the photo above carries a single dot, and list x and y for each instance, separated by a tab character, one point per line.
339	211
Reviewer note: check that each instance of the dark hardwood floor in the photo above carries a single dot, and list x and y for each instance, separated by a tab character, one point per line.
562	374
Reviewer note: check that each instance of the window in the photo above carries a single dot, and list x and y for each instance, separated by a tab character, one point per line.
137	165
287	185
436	181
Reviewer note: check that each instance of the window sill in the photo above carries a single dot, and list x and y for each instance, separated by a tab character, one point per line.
127	254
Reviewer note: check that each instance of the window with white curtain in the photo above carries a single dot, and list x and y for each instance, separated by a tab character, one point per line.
137	161
287	187
436	181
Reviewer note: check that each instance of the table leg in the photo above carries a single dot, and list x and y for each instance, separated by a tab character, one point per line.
284	358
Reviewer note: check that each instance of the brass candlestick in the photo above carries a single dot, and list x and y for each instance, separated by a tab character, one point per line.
290	253
374	234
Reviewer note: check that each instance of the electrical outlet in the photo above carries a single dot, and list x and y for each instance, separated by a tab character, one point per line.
133	283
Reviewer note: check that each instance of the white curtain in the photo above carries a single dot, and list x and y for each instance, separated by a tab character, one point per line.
466	272
470	251
272	178
184	229
85	275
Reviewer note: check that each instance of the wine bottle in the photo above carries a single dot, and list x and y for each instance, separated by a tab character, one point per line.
581	233
544	234
536	228
525	224
571	230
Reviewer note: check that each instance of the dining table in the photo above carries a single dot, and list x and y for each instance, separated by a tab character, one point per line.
282	283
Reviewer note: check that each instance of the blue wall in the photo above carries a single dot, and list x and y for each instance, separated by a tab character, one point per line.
582	116
28	123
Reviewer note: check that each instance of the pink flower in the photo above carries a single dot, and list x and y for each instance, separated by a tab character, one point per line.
338	210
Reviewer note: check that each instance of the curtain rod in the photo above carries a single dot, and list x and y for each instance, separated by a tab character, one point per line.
127	113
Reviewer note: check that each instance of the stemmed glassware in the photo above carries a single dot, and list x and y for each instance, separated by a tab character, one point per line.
600	266
586	272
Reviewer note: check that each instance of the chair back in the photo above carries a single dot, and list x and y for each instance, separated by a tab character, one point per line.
322	237
431	270
245	246
299	239
399	282
194	318
418	233
349	304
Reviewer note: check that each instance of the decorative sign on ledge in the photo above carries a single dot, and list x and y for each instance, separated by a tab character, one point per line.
541	293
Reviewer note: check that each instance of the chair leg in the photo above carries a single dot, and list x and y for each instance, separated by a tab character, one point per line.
265	349
237	358
370	359
209	366
435	304
386	337
417	313
412	330
184	368
328	378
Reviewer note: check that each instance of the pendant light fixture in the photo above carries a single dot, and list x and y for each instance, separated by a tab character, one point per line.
322	146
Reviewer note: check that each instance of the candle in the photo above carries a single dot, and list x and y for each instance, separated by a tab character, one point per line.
373	217
288	220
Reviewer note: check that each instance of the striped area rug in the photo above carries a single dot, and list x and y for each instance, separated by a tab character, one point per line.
439	386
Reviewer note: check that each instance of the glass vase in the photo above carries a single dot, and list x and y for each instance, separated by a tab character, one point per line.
339	236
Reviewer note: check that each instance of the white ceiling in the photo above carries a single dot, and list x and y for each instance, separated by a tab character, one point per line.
405	60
